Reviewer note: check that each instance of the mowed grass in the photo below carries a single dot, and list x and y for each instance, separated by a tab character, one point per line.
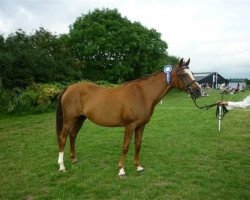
182	152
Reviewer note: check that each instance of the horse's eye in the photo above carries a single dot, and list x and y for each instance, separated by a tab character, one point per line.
184	75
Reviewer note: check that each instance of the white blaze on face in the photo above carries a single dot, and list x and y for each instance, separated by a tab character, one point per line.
191	76
187	71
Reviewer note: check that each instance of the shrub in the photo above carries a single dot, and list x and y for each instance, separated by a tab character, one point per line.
46	93
37	97
26	101
8	100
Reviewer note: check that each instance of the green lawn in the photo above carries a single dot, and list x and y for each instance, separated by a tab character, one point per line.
183	154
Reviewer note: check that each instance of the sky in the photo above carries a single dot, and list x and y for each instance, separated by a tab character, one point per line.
214	34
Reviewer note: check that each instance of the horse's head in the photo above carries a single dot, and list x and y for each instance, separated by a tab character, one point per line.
186	80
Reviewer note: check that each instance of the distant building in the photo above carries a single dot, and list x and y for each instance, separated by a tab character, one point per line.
213	79
233	83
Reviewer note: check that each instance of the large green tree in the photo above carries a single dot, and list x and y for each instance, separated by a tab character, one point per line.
101	45
115	49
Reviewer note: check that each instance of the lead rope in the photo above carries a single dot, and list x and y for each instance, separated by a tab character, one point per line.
218	116
202	107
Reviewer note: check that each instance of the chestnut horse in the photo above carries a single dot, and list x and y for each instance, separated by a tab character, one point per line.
130	105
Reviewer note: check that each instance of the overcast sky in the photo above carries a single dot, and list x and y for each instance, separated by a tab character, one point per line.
215	34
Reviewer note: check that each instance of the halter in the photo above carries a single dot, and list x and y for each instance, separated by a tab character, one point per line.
186	84
189	89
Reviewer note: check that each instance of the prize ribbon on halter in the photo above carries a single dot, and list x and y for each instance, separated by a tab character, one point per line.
167	70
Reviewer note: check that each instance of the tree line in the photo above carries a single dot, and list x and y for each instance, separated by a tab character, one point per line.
100	45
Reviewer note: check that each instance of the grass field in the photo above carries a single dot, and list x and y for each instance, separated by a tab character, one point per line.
183	154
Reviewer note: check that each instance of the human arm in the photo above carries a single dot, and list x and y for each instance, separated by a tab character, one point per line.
239	104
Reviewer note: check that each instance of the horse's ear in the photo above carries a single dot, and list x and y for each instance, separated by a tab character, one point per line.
187	63
181	63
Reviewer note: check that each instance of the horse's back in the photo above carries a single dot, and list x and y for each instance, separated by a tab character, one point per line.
104	106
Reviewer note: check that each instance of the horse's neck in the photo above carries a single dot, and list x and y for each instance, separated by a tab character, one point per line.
155	87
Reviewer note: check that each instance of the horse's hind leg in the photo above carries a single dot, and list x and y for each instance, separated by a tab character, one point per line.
72	136
62	141
138	139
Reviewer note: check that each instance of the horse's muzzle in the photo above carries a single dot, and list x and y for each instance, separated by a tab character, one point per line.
195	90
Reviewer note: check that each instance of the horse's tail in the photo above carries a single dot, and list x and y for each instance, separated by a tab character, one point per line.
59	115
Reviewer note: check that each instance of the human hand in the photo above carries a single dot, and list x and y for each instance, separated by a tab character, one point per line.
222	103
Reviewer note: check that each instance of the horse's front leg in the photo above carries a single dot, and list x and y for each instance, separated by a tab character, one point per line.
138	140
129	130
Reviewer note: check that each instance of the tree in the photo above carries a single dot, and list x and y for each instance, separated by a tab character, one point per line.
54	61
15	60
41	58
113	48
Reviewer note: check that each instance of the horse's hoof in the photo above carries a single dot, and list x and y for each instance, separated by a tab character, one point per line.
62	170
139	169
121	172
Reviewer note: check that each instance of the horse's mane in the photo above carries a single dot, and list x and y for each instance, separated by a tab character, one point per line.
143	78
